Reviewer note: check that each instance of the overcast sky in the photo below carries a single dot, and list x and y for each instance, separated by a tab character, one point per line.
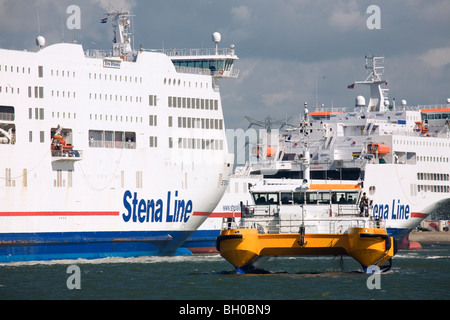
285	47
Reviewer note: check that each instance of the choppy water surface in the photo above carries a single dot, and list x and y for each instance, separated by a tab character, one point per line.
420	274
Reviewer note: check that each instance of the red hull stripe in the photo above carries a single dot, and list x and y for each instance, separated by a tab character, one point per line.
101	213
419	215
202	214
58	214
225	215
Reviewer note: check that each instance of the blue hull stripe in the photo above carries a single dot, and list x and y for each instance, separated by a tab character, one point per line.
89	245
202	239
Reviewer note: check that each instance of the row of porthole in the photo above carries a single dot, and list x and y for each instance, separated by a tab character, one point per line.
174	82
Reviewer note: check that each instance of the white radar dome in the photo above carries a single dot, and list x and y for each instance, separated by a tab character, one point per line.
216	37
403	102
448	100
40	41
360	101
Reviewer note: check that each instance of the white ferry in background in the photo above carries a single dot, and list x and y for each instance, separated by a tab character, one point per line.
399	155
119	153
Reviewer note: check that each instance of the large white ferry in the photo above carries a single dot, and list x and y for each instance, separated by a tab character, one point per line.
399	155
109	153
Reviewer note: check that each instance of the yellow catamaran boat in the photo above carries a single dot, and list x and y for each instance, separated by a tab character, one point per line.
316	219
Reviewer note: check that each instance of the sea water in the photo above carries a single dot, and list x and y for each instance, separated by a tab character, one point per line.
415	275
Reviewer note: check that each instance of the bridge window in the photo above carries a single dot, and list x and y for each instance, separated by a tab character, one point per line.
265	198
318	197
286	198
344	197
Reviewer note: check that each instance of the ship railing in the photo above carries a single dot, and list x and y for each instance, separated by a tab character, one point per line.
7	116
194	52
327	225
112	144
347	211
433	106
72	154
334	109
98	54
103	54
275	225
397	108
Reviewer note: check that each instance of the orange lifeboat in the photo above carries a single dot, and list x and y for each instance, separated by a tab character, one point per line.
378	148
421	128
270	152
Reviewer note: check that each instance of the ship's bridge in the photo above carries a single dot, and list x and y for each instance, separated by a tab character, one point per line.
215	62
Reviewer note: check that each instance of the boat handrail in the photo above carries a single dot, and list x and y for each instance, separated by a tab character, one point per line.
269	225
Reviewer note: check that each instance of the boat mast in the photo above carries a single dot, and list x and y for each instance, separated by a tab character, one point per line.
122	34
378	96
306	152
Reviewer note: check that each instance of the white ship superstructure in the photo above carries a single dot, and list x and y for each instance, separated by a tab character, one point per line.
399	154
119	153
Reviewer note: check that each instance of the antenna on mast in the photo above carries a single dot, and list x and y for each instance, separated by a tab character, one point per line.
40	40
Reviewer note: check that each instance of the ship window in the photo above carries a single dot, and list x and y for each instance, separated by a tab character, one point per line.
153	142
153	120
7	113
344	197
95	139
265	198
286	198
41	71
318	198
102	139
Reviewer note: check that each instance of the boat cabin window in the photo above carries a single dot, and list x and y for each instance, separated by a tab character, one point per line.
265	198
299	198
286	198
309	197
292	198
318	197
344	197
